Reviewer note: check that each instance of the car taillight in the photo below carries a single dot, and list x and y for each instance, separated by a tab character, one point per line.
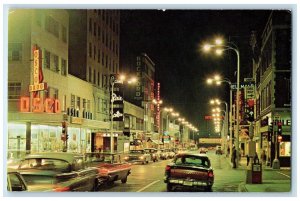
168	168
62	189
103	171
210	174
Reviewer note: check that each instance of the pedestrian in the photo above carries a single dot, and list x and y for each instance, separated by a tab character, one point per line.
234	157
228	152
256	159
263	156
248	159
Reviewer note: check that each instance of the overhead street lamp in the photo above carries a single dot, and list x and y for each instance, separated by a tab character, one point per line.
218	83
219	44
113	80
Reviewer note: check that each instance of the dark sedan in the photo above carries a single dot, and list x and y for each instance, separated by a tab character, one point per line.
189	170
58	172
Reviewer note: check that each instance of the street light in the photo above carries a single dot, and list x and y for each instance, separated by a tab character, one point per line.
219	44
218	82
113	80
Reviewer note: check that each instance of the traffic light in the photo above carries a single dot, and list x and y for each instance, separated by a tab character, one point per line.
64	135
250	110
279	124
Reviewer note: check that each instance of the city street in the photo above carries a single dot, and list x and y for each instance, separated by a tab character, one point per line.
149	177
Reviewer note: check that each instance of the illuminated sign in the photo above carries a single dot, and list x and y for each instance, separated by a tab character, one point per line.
158	107
48	105
37	72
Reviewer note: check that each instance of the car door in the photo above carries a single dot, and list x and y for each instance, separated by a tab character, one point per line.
15	182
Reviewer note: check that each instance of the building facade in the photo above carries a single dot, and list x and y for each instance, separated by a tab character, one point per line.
272	73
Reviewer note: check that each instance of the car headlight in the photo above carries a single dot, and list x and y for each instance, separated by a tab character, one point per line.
141	157
126	158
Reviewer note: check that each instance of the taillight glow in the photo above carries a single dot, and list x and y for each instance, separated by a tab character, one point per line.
168	168
210	174
62	189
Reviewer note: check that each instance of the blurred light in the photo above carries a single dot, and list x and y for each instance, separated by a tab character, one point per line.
218	83
217	77
122	77
206	47
132	80
218	41
209	81
219	51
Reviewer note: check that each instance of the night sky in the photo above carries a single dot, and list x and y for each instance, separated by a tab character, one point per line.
172	39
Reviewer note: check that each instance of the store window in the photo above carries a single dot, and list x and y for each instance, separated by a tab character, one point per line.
16	140
285	149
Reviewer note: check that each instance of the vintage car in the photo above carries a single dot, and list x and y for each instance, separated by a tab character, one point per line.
138	156
203	150
170	153
110	167
219	150
163	153
189	170
153	153
58	172
15	181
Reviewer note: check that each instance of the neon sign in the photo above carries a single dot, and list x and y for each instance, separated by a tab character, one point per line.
49	105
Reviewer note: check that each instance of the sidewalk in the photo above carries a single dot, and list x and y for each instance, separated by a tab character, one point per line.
267	185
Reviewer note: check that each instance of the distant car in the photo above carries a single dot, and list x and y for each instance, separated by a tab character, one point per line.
182	150
163	154
58	172
153	153
138	156
219	150
110	167
203	150
169	153
15	182
189	170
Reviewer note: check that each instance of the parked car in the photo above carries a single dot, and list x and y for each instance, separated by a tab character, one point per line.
163	154
203	150
58	172
110	167
15	181
170	153
138	156
189	170
153	153
182	150
219	150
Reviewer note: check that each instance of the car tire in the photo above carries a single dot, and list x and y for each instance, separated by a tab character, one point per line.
169	187
208	188
124	180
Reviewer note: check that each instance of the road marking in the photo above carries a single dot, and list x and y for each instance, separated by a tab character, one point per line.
284	174
148	186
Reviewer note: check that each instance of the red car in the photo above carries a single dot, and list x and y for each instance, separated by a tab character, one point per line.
110	167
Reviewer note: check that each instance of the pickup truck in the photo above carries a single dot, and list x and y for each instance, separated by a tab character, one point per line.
110	167
191	171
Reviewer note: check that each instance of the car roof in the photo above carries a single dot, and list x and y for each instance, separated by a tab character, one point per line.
69	157
192	154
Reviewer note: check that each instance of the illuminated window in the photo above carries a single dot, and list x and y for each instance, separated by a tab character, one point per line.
285	149
78	103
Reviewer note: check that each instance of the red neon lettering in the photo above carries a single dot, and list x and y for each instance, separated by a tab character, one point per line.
57	106
24	104
37	105
48	105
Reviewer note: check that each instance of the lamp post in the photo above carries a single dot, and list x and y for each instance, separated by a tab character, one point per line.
225	134
218	82
113	81
218	44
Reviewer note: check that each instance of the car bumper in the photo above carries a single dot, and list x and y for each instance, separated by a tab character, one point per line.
187	182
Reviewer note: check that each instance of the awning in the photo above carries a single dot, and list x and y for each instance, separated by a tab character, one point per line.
157	142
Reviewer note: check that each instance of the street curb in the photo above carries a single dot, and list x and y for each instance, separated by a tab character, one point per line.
242	187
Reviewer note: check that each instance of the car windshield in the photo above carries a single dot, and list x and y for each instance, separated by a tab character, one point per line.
192	160
136	151
99	158
45	164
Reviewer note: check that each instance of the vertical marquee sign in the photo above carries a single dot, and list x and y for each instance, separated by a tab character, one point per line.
49	105
158	107
116	99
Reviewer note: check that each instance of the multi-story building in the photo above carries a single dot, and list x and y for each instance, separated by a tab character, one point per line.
42	94
272	73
